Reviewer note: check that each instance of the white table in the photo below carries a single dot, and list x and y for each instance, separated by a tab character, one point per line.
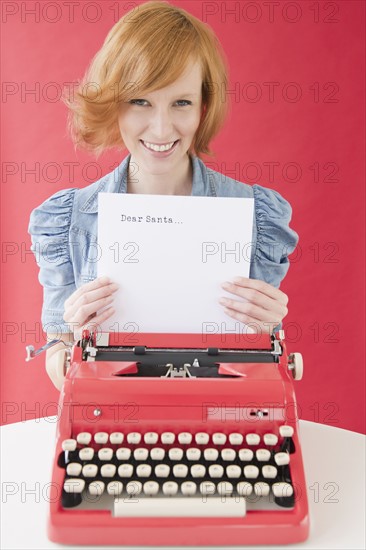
334	467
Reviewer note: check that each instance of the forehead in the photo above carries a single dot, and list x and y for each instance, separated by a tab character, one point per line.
188	83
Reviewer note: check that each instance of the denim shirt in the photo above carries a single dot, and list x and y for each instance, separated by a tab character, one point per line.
63	232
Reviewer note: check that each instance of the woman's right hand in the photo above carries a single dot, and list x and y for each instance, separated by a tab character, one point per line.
82	306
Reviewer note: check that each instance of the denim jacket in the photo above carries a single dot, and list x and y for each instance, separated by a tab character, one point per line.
63	232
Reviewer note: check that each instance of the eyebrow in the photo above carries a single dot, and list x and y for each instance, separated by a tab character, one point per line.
181	95
191	95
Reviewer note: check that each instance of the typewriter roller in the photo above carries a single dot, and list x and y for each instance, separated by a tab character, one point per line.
184	438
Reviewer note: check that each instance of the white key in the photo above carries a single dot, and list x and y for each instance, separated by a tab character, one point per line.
74	469
261	489
72	485
115	488
123	453
228	454
270	439
246	455
216	470
225	488
198	470
162	470
218	438
170	488
125	470
244	488
101	438
252	439
207	488
251	472
90	470
151	488
116	438
134	437
175	454
69	444
157	453
263	455
201	438
193	454
185	438
180	507
233	471
282	489
167	438
105	454
236	439
96	488
108	470
84	438
86	454
134	488
269	472
281	459
140	454
143	470
286	431
188	488
180	470
150	438
211	454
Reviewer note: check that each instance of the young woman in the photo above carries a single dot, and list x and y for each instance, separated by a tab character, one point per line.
157	88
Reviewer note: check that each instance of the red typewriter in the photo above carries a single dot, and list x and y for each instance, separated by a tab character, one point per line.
178	439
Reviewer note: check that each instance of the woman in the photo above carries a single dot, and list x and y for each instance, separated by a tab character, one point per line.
158	88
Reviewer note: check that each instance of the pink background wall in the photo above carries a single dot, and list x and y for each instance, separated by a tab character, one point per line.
297	126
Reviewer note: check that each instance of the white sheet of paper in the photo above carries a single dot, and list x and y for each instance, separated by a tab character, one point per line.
170	255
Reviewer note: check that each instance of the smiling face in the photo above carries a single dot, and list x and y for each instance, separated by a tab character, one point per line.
167	117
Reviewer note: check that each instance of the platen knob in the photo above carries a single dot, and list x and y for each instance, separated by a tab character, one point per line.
296	365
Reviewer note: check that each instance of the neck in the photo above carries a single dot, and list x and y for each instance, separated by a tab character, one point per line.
177	182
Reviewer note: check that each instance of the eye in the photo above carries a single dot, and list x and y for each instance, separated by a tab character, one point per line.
134	101
184	101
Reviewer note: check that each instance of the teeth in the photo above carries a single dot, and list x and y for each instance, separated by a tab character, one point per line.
159	147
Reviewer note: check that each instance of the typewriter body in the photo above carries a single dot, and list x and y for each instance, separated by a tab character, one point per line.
178	439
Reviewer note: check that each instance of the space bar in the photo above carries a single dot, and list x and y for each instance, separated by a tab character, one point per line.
180	507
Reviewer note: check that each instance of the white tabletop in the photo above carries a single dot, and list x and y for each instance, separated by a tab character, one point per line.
334	468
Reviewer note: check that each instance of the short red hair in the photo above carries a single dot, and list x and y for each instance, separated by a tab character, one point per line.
147	49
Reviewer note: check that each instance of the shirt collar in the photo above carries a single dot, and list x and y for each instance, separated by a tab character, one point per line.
116	182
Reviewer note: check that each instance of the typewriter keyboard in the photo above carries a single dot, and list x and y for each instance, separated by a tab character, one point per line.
178	474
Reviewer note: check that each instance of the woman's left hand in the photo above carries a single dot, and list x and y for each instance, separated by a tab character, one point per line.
263	308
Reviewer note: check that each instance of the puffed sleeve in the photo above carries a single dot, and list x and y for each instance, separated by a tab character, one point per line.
49	227
275	240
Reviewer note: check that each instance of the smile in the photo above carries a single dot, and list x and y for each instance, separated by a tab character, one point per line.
159	148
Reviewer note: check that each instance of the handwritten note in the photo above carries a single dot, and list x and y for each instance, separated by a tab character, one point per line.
170	255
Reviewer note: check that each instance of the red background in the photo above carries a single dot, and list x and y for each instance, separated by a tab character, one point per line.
315	140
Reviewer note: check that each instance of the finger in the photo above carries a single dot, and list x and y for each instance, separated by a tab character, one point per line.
90	297
253	296
251	310
263	287
94	324
87	287
80	313
258	326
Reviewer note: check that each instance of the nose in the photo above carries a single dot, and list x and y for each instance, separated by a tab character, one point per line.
161	124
